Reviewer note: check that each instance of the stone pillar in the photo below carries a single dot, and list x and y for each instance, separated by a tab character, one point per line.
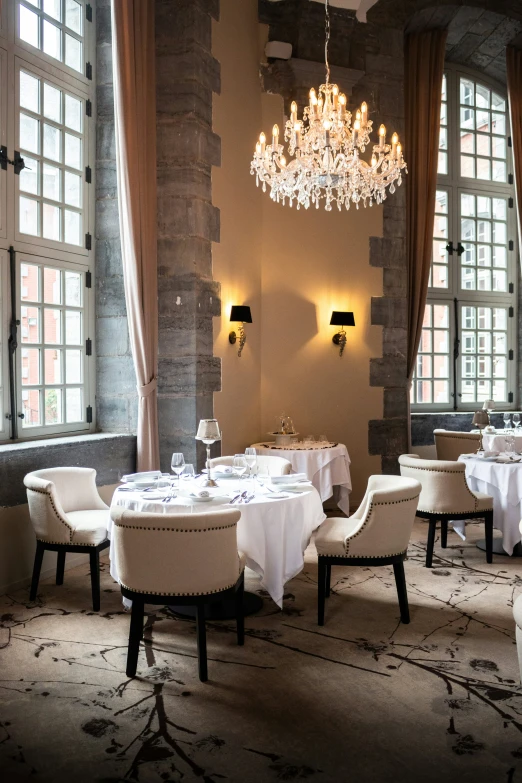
116	396
186	75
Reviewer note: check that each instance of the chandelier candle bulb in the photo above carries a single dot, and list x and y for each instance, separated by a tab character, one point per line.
382	136
275	137
297	131
364	113
374	160
399	151
258	148
293	108
335	95
395	141
262	142
342	104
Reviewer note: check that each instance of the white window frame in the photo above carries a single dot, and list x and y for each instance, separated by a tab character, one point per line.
16	54
454	185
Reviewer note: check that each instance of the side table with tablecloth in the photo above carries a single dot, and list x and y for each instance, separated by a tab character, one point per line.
325	466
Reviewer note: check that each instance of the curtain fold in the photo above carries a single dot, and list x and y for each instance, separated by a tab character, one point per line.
514	85
133	49
423	71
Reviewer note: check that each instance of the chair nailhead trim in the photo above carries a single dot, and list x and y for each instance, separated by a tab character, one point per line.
60	518
175	529
368	515
155	592
447	513
367	557
80	543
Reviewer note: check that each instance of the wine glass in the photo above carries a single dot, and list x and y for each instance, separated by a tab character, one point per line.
239	464
516	421
177	463
251	460
510	445
507	421
188	472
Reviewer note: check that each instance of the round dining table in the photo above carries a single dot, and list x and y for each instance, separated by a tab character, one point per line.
501	480
273	532
326	465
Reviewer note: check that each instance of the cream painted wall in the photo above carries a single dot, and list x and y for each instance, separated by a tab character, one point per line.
293	268
237	259
315	262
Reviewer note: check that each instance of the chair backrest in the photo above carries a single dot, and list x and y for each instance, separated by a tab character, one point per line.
444	486
450	445
387	514
176	554
52	493
266	465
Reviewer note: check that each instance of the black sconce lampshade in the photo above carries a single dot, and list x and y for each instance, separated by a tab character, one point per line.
341	318
240	313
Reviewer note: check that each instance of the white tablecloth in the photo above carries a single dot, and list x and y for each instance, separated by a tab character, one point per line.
497	442
273	534
504	484
325	467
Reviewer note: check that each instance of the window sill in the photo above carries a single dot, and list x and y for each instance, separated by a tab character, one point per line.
109	453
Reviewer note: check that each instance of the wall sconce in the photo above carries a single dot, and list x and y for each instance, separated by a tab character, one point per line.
341	318
240	314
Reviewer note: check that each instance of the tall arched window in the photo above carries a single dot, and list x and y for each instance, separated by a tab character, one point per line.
467	349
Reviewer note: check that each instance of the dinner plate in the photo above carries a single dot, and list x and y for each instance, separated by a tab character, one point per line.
277	495
157	495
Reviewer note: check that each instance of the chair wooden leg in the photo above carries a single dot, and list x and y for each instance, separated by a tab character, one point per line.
328	580
60	568
488	524
240	617
135	636
444	533
95	579
400	581
431	542
38	557
321	590
201	632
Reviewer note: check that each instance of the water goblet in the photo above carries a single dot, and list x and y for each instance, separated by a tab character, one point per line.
239	464
177	464
510	445
516	421
188	472
507	421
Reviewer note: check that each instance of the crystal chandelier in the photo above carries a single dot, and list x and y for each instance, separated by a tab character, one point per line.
326	148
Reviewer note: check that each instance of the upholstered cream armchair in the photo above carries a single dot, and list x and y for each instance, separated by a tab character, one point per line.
445	495
269	466
68	515
183	559
377	534
450	445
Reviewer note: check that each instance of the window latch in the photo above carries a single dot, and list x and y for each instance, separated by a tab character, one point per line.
18	162
450	248
460	249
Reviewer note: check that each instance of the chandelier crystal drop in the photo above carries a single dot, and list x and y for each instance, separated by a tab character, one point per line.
325	148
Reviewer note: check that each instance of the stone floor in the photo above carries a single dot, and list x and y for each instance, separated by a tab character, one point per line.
364	698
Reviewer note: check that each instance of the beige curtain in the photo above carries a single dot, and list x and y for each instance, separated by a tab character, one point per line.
514	83
423	69
135	112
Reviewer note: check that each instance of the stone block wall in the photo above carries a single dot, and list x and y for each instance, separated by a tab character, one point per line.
116	396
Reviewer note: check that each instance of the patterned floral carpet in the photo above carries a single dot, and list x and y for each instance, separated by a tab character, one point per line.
364	698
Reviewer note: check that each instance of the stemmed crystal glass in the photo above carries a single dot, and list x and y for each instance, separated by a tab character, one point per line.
239	464
516	421
251	459
188	472
507	421
177	463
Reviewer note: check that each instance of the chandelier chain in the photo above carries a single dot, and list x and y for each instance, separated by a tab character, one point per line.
327	39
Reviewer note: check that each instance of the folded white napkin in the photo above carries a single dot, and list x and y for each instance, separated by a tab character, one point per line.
290	478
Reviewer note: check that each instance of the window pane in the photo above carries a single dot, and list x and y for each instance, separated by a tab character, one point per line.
72	227
482	97
52	142
73	403
73	113
30	283
51	222
467	142
53	8
30	366
29	176
30	324
51	182
53	365
29	133
73	289
483	168
53	406
467	92
52	326
52	286
499	124
52	103
52	40
31	408
28	216
499	171
73	157
73	16
73	189
467	166
73	327
73	367
29	92
73	53
29	26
